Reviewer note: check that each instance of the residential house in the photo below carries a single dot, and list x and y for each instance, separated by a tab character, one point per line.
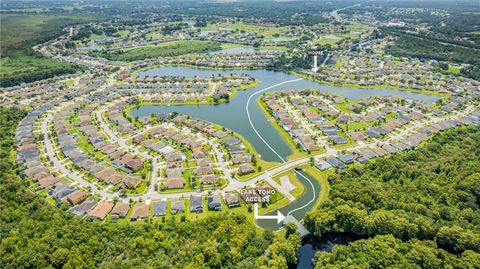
178	206
245	168
101	211
76	197
159	208
214	202
232	200
120	210
196	204
139	211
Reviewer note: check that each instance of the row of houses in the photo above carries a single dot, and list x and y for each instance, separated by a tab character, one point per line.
196	204
375	112
179	92
409	142
42	92
120	166
236	150
307	108
116	116
28	156
287	121
170	82
32	167
99	210
367	69
254	59
166	140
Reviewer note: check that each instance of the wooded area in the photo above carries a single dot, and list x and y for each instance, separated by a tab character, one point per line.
428	49
431	193
35	234
18	62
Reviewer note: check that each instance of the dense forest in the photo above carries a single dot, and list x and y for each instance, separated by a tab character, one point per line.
34	234
448	21
386	251
411	46
430	194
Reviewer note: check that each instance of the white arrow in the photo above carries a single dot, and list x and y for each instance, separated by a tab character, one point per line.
279	217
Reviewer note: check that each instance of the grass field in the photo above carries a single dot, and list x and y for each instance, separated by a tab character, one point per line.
18	33
292	176
233	45
267	31
355	30
322	178
173	48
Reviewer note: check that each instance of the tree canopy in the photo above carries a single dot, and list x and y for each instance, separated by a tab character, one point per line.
34	234
431	193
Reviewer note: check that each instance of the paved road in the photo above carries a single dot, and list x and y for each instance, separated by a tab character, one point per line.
279	187
57	164
234	185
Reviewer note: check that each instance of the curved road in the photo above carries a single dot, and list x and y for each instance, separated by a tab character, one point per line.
234	185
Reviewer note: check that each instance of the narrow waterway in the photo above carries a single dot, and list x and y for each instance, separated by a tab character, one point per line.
311	245
233	116
306	198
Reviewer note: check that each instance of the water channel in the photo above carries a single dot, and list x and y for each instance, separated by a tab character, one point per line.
233	116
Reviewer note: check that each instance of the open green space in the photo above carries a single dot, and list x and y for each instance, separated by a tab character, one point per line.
266	31
18	33
292	176
173	48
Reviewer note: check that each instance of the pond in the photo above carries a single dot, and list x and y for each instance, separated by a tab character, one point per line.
311	245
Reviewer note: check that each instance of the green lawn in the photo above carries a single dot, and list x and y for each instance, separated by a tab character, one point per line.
155	35
266	31
292	176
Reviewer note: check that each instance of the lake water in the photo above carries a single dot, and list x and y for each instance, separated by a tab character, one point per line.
233	116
